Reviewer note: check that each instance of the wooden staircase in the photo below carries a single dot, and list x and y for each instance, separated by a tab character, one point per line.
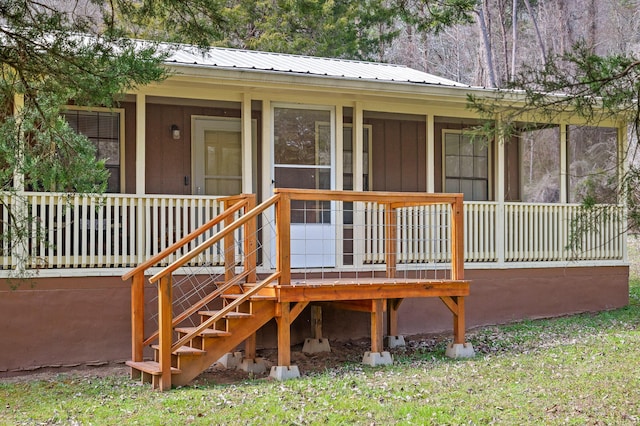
204	346
182	353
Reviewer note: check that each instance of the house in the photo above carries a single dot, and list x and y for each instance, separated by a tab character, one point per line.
229	121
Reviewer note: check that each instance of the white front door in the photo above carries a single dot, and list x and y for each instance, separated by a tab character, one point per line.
217	156
303	141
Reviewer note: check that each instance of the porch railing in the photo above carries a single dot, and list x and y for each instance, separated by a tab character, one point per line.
105	231
117	230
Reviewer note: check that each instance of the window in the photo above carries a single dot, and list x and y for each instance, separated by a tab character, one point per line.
103	129
592	164
466	165
540	163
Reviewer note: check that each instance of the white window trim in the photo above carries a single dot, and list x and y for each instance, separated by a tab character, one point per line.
490	176
121	112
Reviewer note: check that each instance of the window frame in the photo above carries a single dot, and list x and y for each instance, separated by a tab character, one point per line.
489	178
121	136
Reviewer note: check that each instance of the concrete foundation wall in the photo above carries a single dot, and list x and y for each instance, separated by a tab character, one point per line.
67	321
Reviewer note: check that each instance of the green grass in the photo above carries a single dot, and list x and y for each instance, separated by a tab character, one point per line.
583	369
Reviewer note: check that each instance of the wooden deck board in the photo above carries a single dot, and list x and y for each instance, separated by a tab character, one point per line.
319	290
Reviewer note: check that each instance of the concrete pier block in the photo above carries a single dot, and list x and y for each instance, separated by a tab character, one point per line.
395	342
230	360
314	346
375	359
460	350
254	366
284	372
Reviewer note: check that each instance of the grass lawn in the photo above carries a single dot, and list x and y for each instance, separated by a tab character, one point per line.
583	369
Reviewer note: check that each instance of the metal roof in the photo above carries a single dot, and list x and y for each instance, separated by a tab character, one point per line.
216	57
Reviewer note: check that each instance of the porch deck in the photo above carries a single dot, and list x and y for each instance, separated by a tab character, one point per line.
249	299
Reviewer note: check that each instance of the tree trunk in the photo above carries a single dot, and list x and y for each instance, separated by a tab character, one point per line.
505	41
543	51
484	22
514	41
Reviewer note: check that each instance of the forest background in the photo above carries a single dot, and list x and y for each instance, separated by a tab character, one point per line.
485	43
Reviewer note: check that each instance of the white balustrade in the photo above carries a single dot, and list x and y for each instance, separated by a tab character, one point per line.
120	230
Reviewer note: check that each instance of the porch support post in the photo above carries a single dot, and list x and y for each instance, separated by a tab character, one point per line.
394	339
316	322
19	200
376	356
284	370
431	160
268	179
392	316
250	347
18	176
339	184
141	123
499	197
377	325
267	146
316	343
623	169
358	160
358	185
339	148
564	184
247	145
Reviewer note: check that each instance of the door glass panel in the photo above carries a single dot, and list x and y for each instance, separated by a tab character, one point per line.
302	137
302	153
222	163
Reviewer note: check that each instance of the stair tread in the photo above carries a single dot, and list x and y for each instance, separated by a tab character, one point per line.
207	332
232	314
151	367
254	297
184	350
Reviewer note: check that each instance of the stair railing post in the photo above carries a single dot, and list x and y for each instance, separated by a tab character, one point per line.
137	316
283	238
165	337
250	246
457	266
229	251
457	239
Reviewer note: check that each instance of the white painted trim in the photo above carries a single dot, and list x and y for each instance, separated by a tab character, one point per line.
18	178
500	223
117	272
490	166
431	155
141	155
564	182
249	145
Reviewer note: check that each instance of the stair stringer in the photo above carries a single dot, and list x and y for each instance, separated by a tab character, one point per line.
193	366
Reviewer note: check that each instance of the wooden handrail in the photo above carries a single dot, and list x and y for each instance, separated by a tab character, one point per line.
397	199
191	236
214	239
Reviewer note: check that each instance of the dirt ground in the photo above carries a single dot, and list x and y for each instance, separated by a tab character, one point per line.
349	352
